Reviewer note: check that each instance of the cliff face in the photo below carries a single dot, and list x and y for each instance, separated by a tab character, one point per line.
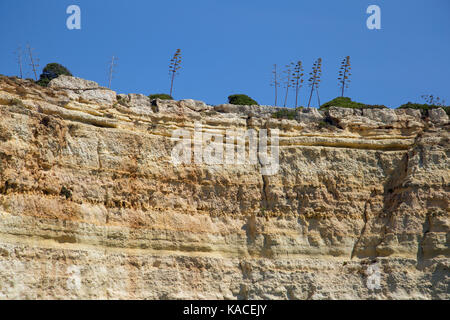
92	205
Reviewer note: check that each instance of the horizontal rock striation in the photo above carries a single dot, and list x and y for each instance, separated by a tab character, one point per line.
93	207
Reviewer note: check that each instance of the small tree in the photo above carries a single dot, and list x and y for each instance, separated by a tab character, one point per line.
52	71
344	74
241	99
297	79
275	82
162	96
174	66
314	78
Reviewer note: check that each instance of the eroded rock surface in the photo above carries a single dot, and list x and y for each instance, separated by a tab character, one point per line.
91	205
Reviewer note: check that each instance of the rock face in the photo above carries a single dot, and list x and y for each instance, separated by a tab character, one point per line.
92	207
83	90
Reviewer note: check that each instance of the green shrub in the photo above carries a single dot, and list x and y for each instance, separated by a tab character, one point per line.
52	71
161	96
345	102
286	113
424	108
242	100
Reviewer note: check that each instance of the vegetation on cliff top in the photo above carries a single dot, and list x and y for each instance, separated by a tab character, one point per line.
162	96
174	66
52	71
314	80
241	99
293	79
431	102
286	113
344	74
424	108
345	102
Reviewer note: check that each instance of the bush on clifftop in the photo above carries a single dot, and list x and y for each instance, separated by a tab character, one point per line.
241	99
161	96
52	71
286	113
345	102
424	107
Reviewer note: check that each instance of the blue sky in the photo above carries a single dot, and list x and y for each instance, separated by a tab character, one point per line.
230	46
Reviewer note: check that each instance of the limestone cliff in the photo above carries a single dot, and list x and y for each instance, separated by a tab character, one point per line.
91	205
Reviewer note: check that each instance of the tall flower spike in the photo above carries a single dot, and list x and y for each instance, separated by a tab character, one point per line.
344	74
275	83
314	79
174	66
287	80
297	79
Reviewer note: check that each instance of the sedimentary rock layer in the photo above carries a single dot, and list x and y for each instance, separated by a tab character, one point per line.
92	205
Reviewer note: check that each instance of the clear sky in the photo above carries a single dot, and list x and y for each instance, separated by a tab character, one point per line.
230	46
